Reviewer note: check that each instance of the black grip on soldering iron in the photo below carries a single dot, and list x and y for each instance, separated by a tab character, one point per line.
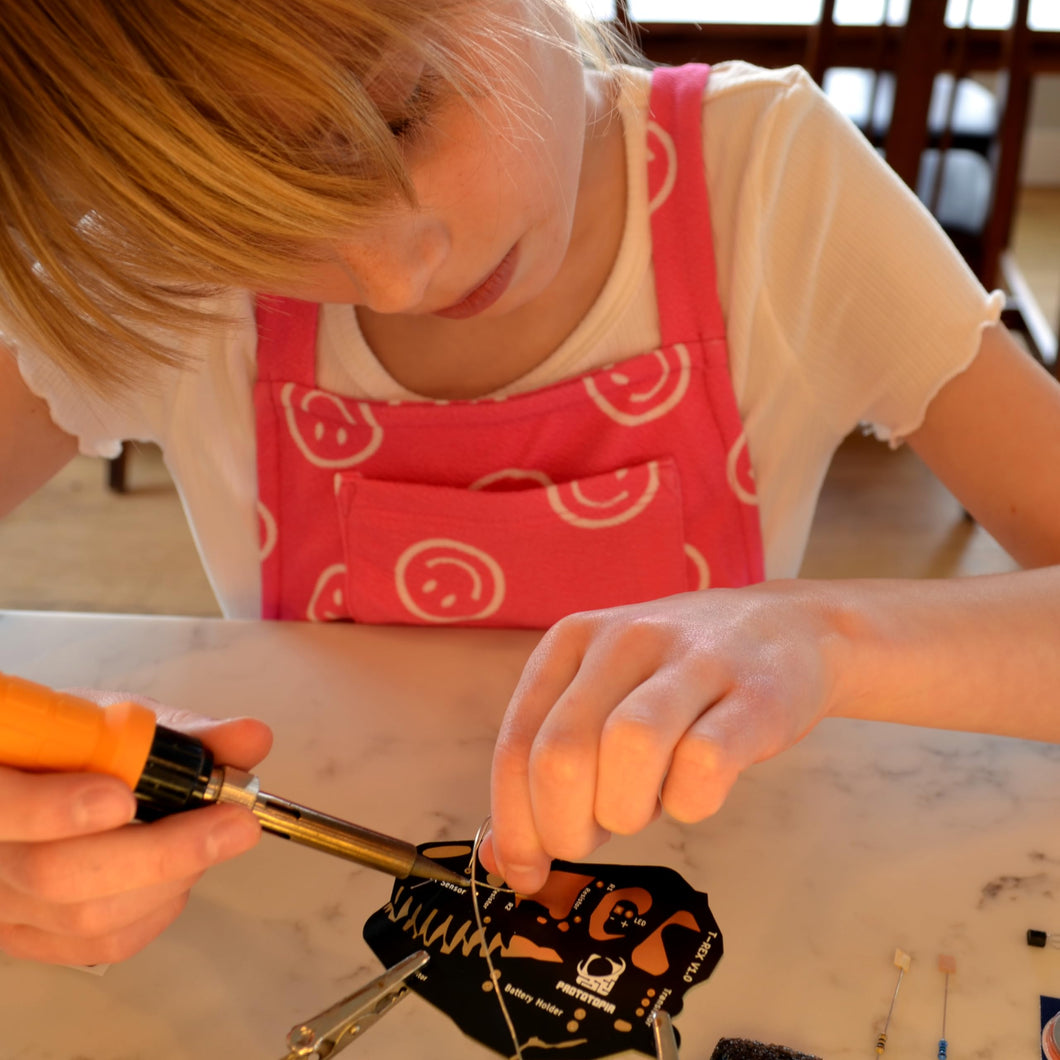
175	776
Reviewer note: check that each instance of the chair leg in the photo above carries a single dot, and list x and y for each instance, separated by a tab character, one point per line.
1023	314
116	468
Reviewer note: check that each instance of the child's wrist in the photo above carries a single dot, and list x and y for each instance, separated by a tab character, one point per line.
849	640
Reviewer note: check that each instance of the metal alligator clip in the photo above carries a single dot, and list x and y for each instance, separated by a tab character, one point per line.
333	1029
665	1039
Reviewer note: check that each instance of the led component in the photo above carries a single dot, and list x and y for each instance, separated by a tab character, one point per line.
947	965
901	962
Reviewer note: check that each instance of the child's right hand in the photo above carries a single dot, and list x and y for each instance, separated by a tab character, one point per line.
80	884
659	705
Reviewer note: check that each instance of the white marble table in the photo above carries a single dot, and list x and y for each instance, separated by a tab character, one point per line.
861	839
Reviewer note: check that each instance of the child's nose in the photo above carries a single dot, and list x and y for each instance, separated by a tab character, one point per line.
394	274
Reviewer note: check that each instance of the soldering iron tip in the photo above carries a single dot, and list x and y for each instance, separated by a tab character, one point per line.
427	869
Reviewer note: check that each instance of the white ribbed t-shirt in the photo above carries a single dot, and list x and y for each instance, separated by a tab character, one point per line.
844	304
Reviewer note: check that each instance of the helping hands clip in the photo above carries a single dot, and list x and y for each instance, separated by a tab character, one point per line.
332	1030
336	1027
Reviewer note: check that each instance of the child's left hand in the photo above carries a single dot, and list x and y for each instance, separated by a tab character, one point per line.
661	703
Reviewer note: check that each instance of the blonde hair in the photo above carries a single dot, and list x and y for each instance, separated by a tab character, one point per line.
155	153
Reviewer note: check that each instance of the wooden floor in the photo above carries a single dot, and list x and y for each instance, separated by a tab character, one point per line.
78	546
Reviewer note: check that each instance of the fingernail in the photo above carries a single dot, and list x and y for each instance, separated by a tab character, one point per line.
231	836
99	808
526	879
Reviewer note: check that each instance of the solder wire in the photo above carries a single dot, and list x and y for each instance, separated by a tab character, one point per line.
494	976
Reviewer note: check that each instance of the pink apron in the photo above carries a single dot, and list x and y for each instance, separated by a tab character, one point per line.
629	483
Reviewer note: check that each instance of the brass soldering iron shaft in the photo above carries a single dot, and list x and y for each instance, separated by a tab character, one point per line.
300	824
345	840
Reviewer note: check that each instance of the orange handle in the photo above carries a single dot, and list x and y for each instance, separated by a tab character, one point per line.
44	731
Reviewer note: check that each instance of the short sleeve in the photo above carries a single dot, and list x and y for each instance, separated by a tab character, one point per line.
102	422
92	420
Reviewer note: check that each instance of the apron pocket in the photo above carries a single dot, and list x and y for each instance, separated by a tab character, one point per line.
515	550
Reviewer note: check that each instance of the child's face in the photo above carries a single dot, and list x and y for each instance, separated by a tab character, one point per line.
497	182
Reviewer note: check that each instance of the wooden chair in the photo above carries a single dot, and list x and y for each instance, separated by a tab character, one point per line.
116	471
866	95
969	185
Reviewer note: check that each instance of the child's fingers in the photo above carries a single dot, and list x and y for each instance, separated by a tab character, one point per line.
713	752
562	769
513	843
545	769
601	752
637	747
565	756
487	855
36	807
547	799
129	858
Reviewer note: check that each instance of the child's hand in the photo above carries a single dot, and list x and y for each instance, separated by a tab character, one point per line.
665	702
76	887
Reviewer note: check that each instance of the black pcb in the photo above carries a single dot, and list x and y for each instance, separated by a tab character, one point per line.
582	965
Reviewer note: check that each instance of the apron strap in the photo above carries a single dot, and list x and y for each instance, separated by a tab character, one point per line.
682	244
287	339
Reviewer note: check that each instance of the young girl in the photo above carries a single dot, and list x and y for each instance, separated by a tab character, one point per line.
438	317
